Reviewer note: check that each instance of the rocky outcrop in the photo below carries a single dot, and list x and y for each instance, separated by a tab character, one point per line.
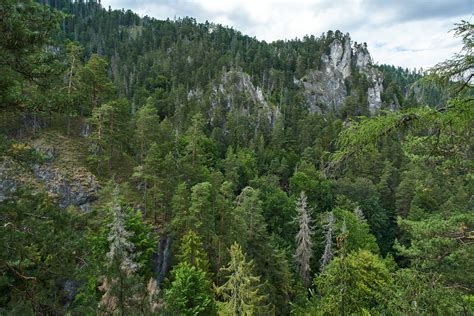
8	178
340	56
363	63
235	91
61	173
14	176
78	189
325	89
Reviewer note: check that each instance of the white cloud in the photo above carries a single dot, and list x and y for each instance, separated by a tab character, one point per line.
405	33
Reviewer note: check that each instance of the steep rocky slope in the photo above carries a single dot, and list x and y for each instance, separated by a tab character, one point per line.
61	171
326	89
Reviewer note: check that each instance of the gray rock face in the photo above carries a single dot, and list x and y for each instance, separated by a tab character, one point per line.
363	62
61	177
340	56
70	191
236	91
361	56
325	89
374	95
8	183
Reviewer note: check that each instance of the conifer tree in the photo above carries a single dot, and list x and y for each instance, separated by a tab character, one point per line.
180	204
146	128
304	244
95	84
120	284
250	222
328	242
191	251
110	122
241	292
74	54
352	284
190	292
26	28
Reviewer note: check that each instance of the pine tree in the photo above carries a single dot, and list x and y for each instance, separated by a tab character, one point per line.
241	292
26	63
110	122
95	86
180	204
146	128
249	220
74	54
304	244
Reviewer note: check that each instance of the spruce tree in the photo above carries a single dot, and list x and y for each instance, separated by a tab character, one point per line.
241	292
190	292
304	244
120	284
191	251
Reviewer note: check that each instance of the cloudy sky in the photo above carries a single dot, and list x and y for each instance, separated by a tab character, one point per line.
408	33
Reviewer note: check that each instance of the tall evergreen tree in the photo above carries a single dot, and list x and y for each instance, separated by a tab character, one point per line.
191	251
120	285
146	129
240	293
328	241
304	244
190	293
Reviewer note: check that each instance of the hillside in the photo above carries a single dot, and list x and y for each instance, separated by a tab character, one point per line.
155	167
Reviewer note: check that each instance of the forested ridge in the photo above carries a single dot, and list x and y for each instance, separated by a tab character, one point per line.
172	167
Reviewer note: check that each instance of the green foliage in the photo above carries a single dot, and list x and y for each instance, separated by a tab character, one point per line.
20	152
418	293
441	245
352	284
27	67
318	189
191	252
359	236
365	194
178	119
42	245
190	293
121	248
145	128
240	293
95	85
110	124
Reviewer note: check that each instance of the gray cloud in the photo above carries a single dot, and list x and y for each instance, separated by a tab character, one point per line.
406	10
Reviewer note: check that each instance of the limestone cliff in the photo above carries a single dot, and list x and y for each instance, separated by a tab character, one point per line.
234	91
363	63
325	89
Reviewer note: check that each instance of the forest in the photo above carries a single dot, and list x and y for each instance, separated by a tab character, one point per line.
170	167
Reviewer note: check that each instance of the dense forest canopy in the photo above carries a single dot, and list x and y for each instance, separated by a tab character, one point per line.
155	167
